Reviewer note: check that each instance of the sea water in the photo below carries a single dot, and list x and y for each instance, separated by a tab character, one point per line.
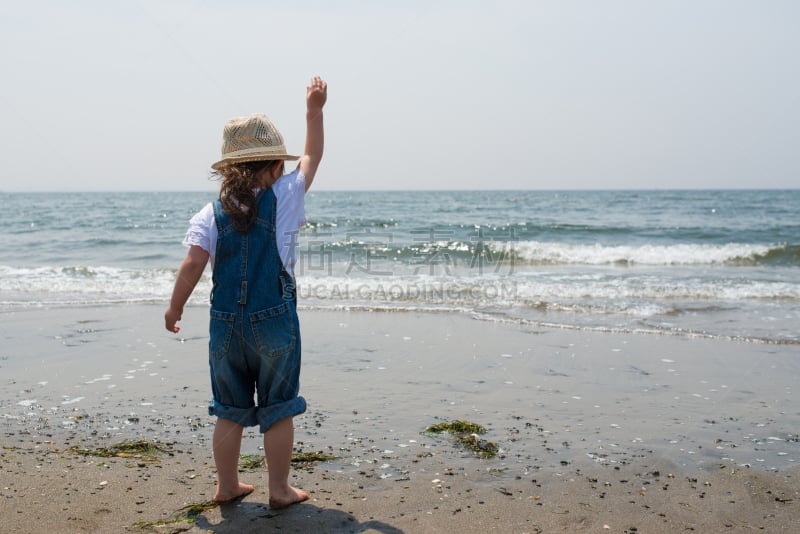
698	263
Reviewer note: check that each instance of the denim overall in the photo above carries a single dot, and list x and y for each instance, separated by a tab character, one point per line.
254	345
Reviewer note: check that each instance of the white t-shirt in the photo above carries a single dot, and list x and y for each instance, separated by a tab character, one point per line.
290	216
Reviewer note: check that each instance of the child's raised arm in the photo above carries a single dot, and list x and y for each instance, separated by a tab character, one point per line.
316	96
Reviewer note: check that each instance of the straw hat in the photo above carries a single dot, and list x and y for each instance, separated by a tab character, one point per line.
251	138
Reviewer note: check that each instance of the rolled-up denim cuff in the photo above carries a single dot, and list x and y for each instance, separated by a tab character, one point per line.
242	416
269	415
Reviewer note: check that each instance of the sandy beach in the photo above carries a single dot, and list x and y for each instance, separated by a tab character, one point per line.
596	431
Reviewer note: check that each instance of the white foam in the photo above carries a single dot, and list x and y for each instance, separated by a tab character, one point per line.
679	254
89	284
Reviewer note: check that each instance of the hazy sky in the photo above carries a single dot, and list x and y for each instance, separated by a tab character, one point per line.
99	95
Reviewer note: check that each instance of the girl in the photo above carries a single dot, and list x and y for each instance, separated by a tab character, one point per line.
248	235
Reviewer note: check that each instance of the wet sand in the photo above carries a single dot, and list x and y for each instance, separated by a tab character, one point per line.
598	432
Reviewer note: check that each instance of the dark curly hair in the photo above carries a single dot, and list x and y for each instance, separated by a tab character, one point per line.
237	190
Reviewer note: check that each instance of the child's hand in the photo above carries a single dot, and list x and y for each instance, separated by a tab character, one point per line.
316	94
170	318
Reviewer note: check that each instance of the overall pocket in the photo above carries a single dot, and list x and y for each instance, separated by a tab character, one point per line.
274	330
220	333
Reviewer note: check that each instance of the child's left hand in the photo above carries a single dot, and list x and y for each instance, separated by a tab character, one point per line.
316	94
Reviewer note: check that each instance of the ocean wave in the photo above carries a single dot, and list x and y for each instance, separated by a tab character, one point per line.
353	225
579	296
75	283
782	255
543	253
532	289
526	287
379	246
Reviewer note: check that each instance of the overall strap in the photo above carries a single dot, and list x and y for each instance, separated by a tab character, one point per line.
218	212
288	284
222	220
270	197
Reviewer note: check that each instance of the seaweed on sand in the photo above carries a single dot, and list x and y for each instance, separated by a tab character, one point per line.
467	435
250	461
140	449
456	426
256	461
187	514
310	457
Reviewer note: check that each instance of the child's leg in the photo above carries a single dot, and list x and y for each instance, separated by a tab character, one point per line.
278	441
227	442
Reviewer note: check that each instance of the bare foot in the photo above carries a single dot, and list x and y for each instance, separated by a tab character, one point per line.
288	498
226	496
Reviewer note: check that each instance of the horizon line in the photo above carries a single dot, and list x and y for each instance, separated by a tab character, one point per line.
438	190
